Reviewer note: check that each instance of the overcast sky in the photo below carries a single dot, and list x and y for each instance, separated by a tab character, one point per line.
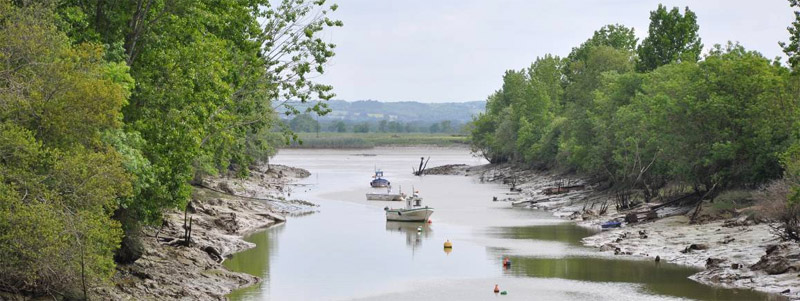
457	50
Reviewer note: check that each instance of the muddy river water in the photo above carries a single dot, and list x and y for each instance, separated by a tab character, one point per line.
348	251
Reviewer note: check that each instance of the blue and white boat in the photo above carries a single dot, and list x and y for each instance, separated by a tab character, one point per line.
378	180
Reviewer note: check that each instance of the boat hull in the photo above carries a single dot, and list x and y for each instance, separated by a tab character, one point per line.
384	197
379	183
409	215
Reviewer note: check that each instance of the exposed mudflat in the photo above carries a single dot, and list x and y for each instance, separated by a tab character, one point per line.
450	169
173	269
735	253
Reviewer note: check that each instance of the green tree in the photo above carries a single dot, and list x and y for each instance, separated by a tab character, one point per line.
361	128
792	49
338	127
382	126
446	126
304	123
206	80
720	123
395	127
577	144
613	35
672	37
59	181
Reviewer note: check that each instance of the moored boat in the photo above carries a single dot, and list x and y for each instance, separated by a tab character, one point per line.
384	197
378	180
413	211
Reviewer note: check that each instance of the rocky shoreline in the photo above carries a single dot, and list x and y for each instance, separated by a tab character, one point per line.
173	269
737	252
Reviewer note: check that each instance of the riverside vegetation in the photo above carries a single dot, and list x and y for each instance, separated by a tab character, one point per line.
370	140
657	120
110	109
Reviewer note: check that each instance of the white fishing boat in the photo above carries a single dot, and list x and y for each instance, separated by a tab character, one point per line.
386	196
413	211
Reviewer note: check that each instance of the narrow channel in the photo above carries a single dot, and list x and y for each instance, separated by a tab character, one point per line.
349	251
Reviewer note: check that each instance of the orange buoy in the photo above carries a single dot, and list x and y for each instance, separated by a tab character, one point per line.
496	288
448	244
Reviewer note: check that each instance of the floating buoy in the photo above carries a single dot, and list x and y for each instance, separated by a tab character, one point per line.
448	250
448	244
496	288
419	229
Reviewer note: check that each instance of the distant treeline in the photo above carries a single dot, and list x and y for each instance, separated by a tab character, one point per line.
651	113
369	140
407	111
309	123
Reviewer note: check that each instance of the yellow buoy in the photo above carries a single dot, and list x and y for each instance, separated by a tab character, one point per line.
448	244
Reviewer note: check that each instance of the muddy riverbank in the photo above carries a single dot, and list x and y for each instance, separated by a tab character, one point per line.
735	253
173	269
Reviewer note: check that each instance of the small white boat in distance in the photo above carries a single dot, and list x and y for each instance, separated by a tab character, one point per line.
413	212
387	196
384	197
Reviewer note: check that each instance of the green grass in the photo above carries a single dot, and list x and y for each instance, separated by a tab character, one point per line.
370	140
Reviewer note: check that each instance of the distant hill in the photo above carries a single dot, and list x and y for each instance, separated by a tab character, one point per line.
406	111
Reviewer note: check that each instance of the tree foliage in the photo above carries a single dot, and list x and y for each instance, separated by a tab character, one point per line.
59	182
108	109
792	49
672	37
724	121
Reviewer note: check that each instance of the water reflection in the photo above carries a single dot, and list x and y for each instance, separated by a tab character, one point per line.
564	232
659	278
414	233
255	261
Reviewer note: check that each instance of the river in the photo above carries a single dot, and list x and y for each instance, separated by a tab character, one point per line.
347	251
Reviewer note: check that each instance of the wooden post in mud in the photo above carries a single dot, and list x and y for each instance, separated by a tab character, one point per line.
189	240
187	229
422	167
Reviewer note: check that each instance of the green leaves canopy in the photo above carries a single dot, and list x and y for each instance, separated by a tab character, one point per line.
721	122
672	37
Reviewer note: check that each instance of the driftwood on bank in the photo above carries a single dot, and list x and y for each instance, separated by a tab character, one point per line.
421	169
561	189
673	201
